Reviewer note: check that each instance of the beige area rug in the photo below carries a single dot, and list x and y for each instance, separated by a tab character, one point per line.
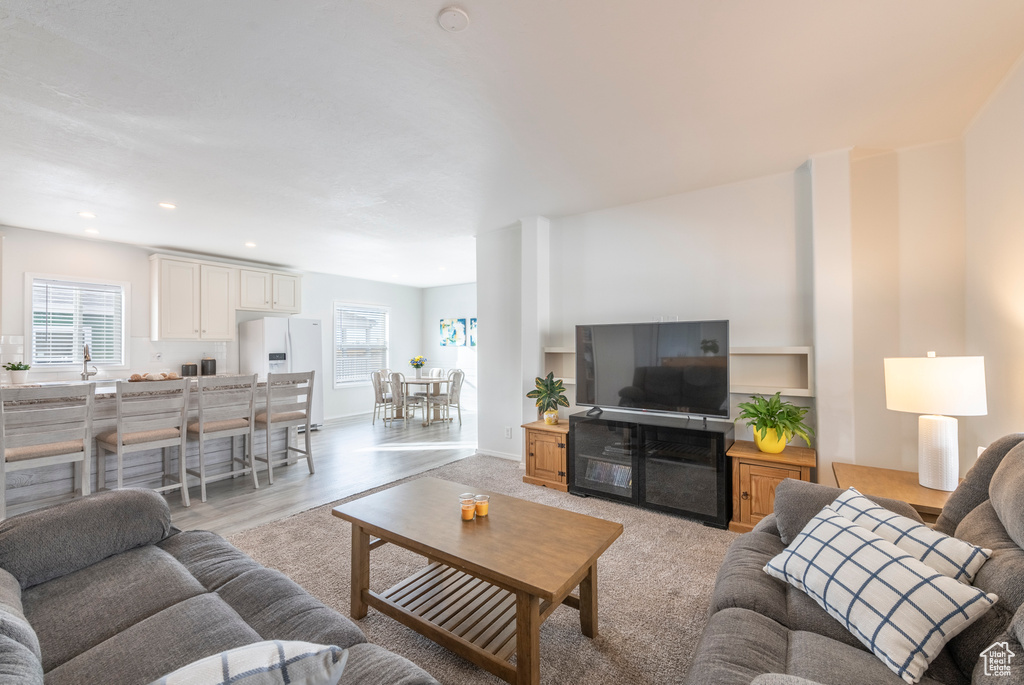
654	585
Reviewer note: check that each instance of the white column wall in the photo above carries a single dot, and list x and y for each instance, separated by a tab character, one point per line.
833	310
499	303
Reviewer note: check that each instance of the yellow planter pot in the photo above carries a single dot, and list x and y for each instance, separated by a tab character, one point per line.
772	443
551	417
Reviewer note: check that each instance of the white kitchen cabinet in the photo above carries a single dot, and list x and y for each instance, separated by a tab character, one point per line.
217	302
196	300
255	289
174	299
286	293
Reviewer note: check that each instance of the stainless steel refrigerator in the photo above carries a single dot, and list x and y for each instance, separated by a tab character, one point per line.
284	345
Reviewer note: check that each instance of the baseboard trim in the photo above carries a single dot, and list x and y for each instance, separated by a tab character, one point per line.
500	455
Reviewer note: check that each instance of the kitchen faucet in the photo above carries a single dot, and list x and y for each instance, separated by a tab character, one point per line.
86	358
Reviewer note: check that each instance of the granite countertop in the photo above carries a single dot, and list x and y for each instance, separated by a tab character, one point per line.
106	388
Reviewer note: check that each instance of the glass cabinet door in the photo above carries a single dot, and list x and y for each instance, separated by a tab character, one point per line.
683	471
604	458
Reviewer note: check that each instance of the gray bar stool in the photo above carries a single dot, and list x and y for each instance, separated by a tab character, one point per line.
46	426
149	415
289	404
226	408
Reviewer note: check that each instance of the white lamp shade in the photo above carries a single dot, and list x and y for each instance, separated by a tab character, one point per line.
949	386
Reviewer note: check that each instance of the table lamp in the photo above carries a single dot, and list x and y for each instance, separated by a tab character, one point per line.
936	388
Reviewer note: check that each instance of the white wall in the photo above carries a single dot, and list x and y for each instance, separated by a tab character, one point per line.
875	210
56	254
995	243
449	302
499	307
321	291
728	252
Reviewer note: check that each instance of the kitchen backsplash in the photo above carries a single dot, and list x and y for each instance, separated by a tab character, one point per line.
142	358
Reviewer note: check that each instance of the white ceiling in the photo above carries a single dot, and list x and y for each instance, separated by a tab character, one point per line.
359	138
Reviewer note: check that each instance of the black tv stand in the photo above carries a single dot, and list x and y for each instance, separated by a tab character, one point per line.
674	464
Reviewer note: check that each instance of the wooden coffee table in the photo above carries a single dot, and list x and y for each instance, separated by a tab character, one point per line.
489	582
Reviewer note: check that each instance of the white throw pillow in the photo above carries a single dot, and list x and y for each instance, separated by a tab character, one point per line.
273	662
899	608
947	555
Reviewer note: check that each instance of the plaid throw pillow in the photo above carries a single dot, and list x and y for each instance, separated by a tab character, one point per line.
900	609
273	662
949	556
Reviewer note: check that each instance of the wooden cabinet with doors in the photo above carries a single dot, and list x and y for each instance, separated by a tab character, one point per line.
175	299
192	300
544	448
217	302
286	293
268	291
755	474
254	289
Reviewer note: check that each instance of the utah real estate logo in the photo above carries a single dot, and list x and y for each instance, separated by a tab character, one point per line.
997	658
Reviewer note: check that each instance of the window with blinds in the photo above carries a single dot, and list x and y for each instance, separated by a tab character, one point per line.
67	316
360	341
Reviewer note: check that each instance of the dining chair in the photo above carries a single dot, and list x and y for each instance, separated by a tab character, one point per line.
226	409
403	399
46	426
381	397
453	398
148	419
289	404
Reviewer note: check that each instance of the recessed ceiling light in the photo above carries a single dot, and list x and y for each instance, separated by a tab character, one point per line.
440	268
92	231
87	215
167	205
250	244
453	19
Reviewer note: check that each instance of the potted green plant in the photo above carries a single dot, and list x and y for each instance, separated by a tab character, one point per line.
550	394
775	422
19	372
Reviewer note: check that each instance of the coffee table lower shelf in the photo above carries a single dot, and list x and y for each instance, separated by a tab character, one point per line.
470	616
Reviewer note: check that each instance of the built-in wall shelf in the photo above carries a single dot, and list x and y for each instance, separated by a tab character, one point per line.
561	361
767	370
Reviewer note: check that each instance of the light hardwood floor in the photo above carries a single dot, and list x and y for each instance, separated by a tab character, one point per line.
350	456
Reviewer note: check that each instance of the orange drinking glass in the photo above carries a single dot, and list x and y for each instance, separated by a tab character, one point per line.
482	504
468	508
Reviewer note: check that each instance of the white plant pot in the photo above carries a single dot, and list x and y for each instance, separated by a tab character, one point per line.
19	377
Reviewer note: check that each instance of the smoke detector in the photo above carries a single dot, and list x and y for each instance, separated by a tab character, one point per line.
453	19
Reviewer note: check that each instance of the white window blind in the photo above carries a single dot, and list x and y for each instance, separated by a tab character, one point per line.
67	316
360	341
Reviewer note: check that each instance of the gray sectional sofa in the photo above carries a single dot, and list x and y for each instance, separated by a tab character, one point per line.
764	631
104	590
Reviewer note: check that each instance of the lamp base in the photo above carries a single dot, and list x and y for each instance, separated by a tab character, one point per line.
938	459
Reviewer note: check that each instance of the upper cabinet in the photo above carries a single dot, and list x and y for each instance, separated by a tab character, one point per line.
196	300
174	305
269	291
217	302
255	289
286	293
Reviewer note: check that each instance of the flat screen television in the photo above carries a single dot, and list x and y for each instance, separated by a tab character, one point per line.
678	367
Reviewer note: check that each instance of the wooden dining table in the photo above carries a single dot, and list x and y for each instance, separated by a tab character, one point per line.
434	390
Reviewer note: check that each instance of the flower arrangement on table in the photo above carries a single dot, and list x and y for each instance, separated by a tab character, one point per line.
418	361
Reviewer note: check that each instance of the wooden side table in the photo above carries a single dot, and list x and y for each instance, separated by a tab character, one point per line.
901	485
545	450
755	475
